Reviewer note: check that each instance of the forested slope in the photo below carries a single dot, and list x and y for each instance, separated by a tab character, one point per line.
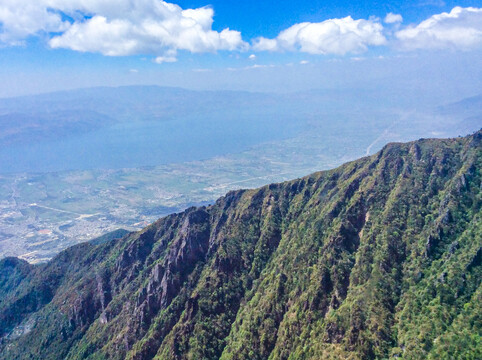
378	258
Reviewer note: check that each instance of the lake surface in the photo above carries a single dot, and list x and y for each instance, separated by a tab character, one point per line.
147	143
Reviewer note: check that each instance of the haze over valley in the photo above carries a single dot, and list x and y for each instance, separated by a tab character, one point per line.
78	164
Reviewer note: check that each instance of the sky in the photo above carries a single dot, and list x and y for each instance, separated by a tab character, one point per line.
418	47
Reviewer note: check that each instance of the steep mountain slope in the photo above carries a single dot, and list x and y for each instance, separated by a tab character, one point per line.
378	258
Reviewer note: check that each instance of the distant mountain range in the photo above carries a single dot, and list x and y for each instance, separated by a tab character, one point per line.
467	111
131	104
379	258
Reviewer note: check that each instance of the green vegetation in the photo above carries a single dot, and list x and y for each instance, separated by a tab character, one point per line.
380	258
113	235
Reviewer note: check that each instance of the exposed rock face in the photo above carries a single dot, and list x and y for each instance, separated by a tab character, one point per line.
189	247
356	262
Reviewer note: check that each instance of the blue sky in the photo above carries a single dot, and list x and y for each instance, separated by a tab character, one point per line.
268	18
249	45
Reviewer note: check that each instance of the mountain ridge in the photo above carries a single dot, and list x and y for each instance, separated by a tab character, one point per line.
378	258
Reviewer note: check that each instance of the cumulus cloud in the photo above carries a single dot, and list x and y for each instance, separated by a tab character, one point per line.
334	36
116	27
459	29
22	18
392	18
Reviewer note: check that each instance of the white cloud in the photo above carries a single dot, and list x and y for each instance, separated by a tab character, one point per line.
459	29
264	44
252	57
169	57
116	27
334	36
304	62
392	18
22	18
